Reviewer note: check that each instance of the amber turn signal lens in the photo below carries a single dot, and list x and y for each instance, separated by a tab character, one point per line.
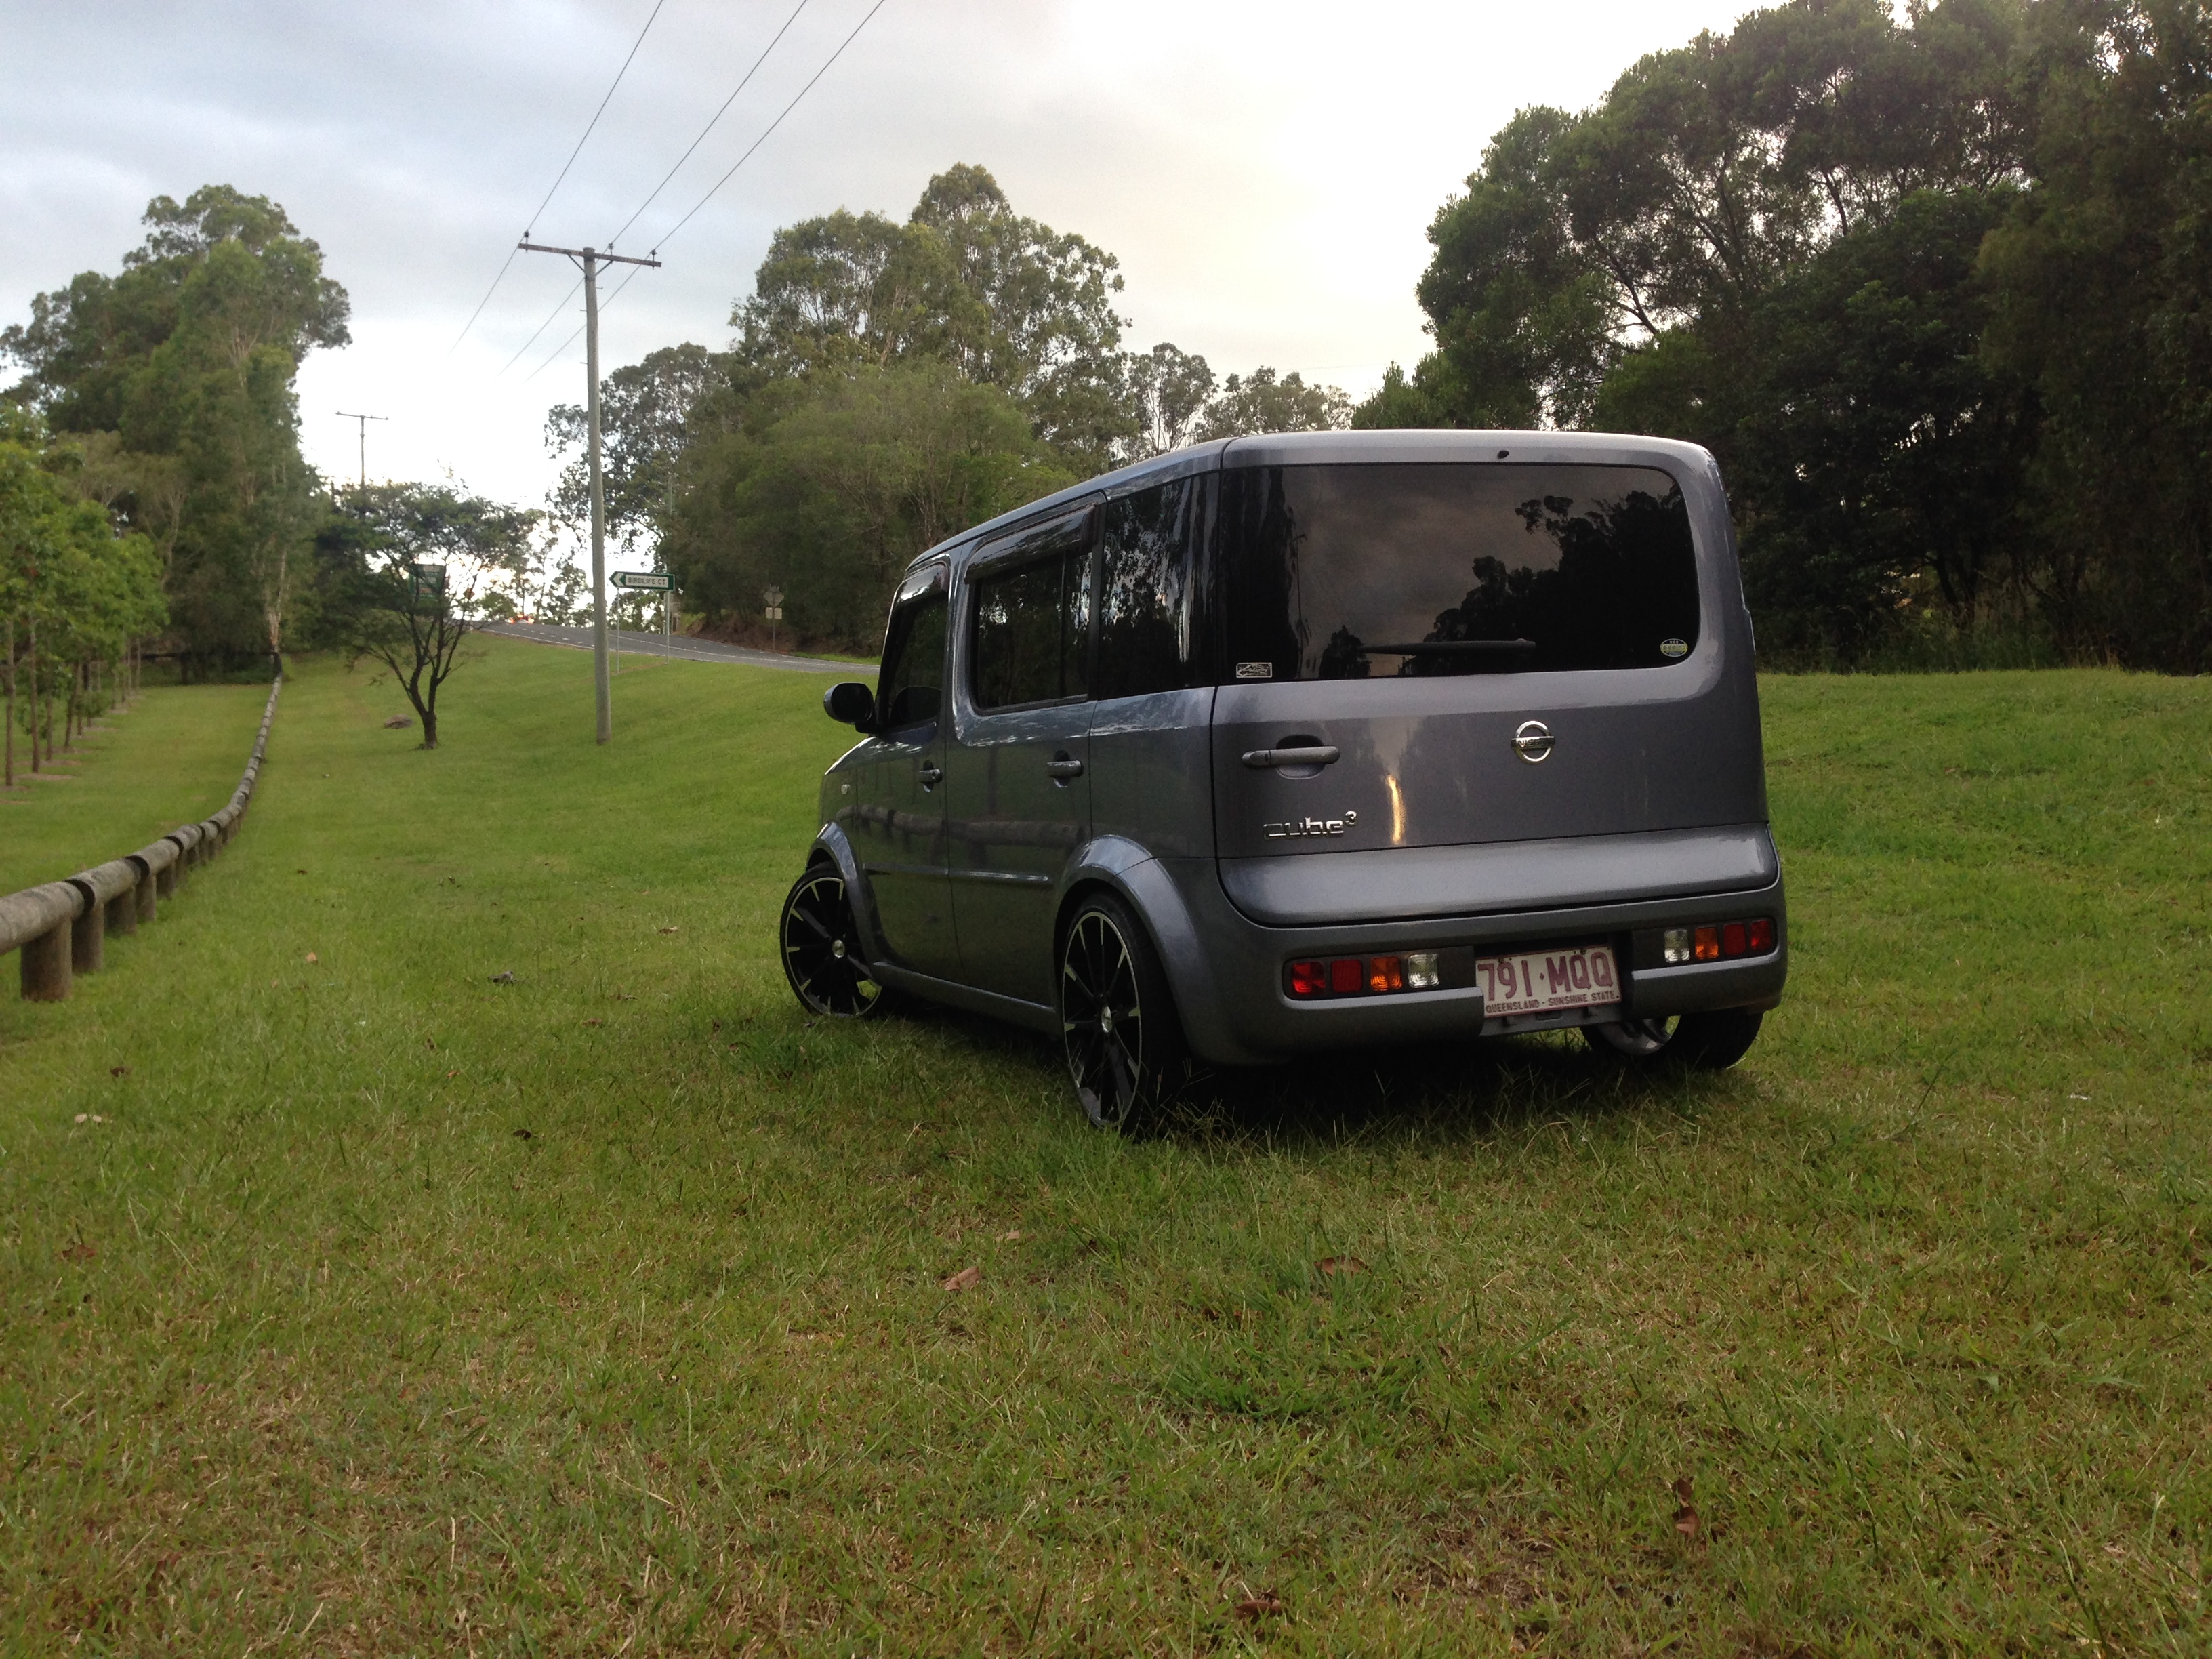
1705	944
1385	974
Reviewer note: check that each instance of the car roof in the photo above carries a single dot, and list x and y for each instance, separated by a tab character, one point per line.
1311	448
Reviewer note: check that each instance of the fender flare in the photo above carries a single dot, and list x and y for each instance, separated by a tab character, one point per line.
830	840
1143	882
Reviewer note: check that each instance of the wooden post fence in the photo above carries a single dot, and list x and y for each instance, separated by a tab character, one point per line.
61	928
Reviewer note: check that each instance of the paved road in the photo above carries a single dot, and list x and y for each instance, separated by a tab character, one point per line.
695	650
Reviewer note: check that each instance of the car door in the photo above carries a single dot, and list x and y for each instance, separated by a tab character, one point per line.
1151	680
898	829
1016	768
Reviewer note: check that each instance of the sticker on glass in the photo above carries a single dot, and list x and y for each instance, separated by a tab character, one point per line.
1255	671
1674	647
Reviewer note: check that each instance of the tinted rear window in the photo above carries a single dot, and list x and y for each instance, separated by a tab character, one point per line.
1348	572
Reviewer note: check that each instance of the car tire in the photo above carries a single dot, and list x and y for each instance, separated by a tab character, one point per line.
1125	1045
1711	1041
821	951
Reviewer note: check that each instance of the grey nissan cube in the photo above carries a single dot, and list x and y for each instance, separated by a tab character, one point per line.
1293	744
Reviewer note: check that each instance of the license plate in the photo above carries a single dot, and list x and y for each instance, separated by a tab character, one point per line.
1539	981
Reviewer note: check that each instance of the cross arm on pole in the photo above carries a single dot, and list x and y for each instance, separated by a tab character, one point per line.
588	253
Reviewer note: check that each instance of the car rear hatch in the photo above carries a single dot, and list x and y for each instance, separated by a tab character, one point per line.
1424	651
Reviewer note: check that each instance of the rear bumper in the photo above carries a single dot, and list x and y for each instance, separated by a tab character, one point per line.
1236	1011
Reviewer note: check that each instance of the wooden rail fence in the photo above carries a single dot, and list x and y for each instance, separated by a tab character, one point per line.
62	927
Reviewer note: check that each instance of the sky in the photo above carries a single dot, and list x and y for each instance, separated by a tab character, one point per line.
1265	172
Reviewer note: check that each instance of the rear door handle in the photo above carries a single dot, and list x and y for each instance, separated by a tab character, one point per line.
1064	767
929	775
1263	760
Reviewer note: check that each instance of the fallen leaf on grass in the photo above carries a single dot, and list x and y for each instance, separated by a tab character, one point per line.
89	1117
397	722
430	1044
1333	1267
1254	1606
118	1071
595	1022
523	1135
966	1279
1685	1518
312	957
668	930
298	873
503	979
81	1250
1013	1237
454	1073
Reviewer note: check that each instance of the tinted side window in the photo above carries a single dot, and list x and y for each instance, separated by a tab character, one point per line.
912	686
1032	631
1347	571
1146	612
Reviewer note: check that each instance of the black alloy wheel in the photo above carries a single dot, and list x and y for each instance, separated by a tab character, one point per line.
1125	1045
1712	1041
822	952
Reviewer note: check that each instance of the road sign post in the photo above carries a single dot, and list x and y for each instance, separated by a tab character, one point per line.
652	582
772	602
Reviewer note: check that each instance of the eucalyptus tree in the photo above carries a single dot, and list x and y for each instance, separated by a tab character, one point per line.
186	357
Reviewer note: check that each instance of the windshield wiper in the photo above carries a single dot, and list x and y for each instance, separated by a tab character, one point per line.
1450	648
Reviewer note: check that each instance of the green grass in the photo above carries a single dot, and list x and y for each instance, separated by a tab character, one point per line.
391	1310
169	759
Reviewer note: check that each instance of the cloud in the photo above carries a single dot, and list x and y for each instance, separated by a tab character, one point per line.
1265	172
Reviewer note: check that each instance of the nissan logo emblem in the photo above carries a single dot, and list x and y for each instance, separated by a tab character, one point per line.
1532	741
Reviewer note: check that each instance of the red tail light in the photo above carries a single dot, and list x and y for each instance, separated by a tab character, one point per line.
1732	938
1344	976
1759	934
1309	979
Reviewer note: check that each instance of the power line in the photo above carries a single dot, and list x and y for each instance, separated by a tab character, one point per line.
541	327
597	112
565	166
628	279
718	184
711	124
773	125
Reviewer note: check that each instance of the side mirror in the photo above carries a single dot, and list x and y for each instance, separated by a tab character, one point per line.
851	703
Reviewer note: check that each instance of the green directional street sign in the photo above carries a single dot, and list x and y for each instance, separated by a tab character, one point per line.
652	582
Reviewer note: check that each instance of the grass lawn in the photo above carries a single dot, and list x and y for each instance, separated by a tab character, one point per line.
171	759
388	1309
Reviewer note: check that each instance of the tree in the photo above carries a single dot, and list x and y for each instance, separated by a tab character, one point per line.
2102	285
1170	389
186	357
1004	300
836	482
75	595
1258	402
1879	459
649	411
402	570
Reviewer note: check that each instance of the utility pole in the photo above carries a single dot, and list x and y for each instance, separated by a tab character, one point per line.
591	259
347	415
